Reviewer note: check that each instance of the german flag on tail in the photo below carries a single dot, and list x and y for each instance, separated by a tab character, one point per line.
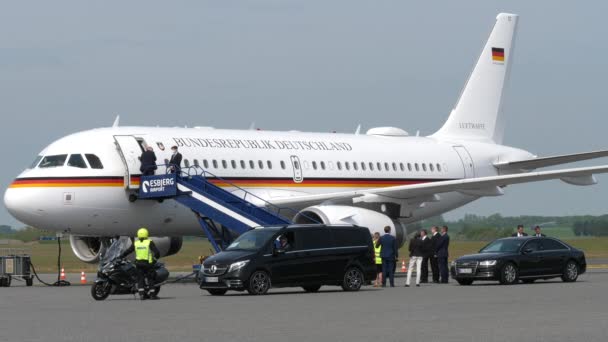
498	54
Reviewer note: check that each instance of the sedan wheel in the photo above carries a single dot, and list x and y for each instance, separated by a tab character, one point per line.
259	283
508	274
465	282
570	272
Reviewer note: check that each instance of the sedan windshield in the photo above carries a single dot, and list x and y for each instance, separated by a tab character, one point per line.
503	245
252	240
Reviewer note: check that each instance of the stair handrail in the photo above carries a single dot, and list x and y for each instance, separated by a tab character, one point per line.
186	172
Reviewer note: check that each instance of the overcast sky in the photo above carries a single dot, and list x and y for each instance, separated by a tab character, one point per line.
67	66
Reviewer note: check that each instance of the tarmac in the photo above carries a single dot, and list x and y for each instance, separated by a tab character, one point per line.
543	311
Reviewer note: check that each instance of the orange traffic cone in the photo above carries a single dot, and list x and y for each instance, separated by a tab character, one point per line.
83	278
62	275
403	268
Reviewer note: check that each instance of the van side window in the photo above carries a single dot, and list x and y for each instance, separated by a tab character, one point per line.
94	161
314	238
348	238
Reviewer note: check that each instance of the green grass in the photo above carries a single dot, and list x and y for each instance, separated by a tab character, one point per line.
44	255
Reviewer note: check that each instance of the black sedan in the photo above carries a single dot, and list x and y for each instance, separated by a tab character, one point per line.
520	258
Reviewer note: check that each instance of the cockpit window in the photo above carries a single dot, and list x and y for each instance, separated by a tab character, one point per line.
36	161
94	161
53	161
76	160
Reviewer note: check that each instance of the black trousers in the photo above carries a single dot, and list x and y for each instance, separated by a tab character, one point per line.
443	269
435	269
388	271
144	270
424	273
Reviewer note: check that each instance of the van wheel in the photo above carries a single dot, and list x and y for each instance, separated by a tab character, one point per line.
259	283
570	272
508	274
217	292
311	288
353	279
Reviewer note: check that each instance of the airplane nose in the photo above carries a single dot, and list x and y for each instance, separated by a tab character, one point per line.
19	205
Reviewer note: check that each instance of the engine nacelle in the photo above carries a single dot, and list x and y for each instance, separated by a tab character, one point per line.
342	214
88	248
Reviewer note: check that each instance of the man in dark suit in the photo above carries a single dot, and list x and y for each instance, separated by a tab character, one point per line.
427	254
435	236
148	162
520	231
537	232
442	254
176	160
388	253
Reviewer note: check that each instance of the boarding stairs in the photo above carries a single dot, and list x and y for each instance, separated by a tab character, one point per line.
236	212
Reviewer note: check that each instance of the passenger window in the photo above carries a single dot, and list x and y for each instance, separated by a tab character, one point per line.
424	167
314	165
409	167
296	165
233	163
53	161
282	165
438	167
205	164
94	161
224	164
251	164
214	164
322	165
36	161
313	239
394	167
401	166
431	167
379	165
355	166
371	166
269	164
534	245
551	245
261	164
347	165
339	165
386	166
363	166
186	163
76	160
416	166
196	163
243	165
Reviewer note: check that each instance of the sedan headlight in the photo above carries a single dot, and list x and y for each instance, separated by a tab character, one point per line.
487	263
237	265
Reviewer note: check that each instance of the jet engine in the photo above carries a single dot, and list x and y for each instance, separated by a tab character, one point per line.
88	248
341	214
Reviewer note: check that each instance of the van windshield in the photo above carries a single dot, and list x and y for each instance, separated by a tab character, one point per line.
252	240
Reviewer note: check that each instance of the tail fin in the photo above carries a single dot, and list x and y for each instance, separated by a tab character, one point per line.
478	113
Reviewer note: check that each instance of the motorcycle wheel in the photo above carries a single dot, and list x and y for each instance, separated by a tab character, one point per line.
100	291
154	292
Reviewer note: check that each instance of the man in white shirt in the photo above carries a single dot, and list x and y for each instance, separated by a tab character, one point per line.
537	232
520	231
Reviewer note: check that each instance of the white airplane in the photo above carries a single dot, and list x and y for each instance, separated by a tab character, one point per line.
82	183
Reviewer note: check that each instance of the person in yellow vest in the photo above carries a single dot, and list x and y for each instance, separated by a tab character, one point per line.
378	259
146	254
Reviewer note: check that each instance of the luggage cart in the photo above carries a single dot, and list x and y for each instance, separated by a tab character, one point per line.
15	264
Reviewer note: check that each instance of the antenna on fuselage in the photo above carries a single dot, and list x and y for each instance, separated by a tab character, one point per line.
116	121
358	130
252	126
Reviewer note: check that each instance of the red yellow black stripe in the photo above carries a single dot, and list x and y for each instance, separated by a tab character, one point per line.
46	182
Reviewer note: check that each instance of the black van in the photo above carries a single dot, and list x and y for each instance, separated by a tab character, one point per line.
309	256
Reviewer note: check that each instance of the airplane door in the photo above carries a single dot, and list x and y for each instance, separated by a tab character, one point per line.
467	161
297	169
129	149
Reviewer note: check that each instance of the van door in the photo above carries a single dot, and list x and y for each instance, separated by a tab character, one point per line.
467	161
314	247
130	149
298	177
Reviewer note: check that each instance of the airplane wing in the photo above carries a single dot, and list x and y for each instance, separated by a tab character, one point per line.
481	186
535	163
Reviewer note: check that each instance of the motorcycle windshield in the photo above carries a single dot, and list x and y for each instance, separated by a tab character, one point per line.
115	250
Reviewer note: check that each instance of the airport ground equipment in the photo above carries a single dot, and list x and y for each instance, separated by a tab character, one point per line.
194	188
15	264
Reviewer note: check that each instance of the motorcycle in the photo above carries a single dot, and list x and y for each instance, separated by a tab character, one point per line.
117	276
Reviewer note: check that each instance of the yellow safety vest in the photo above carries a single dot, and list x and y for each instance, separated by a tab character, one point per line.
142	250
378	258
